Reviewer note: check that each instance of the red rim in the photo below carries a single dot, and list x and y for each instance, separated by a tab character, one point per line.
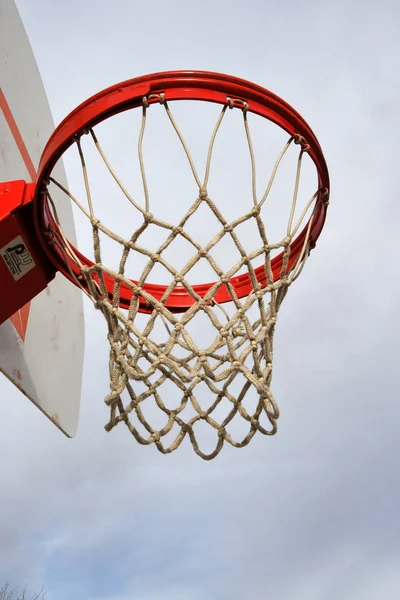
177	85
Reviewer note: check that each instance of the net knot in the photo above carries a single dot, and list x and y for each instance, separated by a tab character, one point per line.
94	221
239	103
155	436
299	139
202	304
44	185
203	357
159	97
324	195
203	194
148	217
50	238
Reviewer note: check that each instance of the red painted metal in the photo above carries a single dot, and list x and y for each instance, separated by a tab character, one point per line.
177	85
16	219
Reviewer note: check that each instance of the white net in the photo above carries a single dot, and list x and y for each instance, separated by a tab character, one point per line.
162	358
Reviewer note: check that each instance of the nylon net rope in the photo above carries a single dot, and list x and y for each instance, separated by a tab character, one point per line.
141	362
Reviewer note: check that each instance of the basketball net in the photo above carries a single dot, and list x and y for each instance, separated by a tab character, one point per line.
242	348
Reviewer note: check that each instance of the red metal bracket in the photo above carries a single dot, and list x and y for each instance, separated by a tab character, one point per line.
25	270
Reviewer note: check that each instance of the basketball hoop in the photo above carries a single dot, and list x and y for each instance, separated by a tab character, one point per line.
139	364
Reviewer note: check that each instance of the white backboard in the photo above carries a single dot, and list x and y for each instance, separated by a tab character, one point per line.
41	347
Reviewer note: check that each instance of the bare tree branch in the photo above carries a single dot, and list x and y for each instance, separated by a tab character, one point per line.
9	593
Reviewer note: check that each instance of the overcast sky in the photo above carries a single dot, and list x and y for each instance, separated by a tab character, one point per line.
313	513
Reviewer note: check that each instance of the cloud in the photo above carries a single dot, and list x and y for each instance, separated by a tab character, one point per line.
312	513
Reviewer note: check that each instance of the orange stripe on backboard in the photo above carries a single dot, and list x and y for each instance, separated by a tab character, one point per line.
4	107
20	318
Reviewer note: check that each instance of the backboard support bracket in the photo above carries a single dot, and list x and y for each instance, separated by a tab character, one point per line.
25	271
